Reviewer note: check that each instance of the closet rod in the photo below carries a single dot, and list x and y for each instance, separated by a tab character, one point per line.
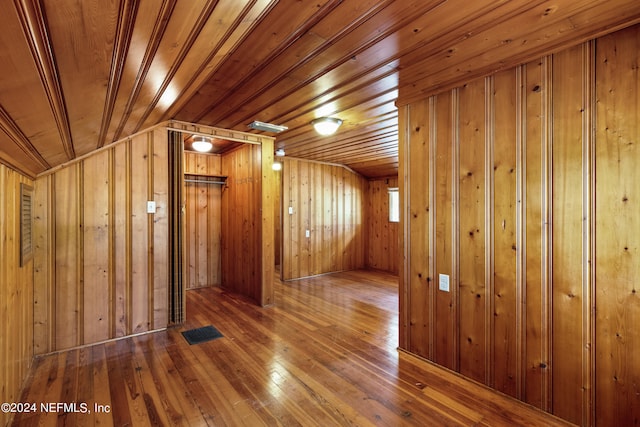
202	181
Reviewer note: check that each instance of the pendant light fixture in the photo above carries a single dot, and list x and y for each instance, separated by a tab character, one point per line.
326	125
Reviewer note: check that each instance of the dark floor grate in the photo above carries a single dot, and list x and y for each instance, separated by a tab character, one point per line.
200	335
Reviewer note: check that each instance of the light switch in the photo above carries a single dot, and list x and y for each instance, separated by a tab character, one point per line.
290	210
307	233
444	283
151	207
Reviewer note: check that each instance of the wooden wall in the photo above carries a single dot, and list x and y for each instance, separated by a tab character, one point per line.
329	201
101	259
203	221
277	212
382	250
16	293
523	188
248	222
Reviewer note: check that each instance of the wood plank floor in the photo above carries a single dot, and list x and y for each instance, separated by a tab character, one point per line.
323	355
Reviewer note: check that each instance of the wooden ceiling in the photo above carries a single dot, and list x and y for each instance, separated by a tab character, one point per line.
77	75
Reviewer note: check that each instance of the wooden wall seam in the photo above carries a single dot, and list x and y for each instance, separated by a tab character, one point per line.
112	245
547	233
521	235
489	225
150	233
128	292
433	208
455	224
404	338
588	253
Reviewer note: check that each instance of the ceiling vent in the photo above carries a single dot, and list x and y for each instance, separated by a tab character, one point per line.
266	127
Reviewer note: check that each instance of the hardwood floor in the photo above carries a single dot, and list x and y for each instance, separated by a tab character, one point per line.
324	354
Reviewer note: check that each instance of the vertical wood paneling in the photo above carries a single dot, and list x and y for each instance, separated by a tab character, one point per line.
567	225
420	281
101	258
381	235
535	122
506	304
242	221
140	280
277	214
328	201
67	257
404	230
160	194
445	309
473	293
617	226
122	240
44	267
267	199
203	223
96	205
546	170
16	294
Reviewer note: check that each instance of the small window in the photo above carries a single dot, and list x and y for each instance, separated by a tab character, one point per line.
394	205
26	221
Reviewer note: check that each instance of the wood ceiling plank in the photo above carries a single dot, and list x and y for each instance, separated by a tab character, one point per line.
299	109
273	34
125	24
224	32
20	140
148	76
344	59
534	32
322	34
34	27
84	60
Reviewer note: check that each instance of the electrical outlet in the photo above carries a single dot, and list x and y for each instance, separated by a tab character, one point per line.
444	283
151	207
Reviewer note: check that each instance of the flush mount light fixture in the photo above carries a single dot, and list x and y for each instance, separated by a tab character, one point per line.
280	152
326	125
201	144
266	127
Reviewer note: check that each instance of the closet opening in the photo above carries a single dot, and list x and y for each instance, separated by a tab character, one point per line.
224	223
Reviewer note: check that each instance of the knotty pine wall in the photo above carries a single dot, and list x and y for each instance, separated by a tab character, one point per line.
382	249
16	293
329	201
203	222
101	259
248	222
523	187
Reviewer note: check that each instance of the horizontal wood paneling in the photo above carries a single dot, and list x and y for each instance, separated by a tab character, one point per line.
381	234
101	258
328	201
16	294
203	221
541	256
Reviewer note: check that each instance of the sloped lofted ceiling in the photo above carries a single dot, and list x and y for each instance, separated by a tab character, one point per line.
77	75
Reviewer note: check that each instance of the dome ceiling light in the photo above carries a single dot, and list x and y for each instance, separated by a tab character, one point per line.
201	144
326	125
